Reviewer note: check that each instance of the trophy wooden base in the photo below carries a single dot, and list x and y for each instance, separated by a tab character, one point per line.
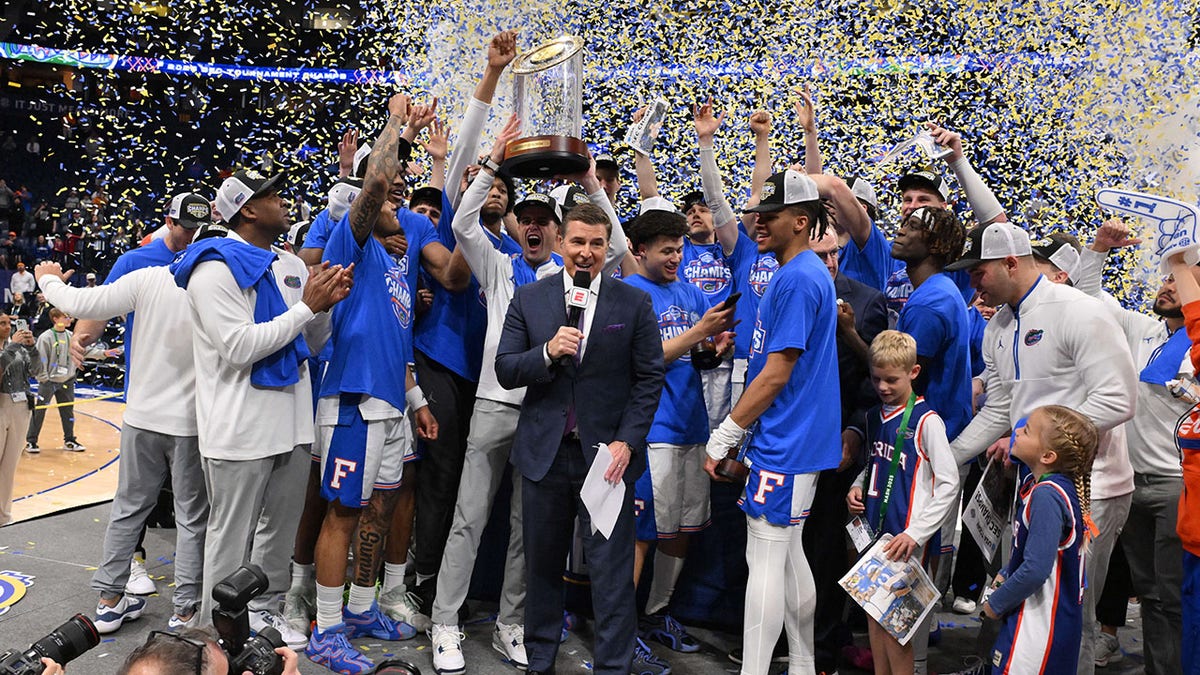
731	468
545	156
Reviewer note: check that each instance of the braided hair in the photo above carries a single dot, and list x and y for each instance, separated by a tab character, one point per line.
944	233
1074	439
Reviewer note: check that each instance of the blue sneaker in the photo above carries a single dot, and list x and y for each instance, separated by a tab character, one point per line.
109	619
645	662
662	628
376	624
331	649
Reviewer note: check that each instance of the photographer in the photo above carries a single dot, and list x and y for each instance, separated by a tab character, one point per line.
190	651
16	362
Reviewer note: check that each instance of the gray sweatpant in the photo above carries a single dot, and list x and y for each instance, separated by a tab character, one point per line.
255	509
1155	557
488	444
147	458
1109	516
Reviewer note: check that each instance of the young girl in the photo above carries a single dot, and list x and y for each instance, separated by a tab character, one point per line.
1041	595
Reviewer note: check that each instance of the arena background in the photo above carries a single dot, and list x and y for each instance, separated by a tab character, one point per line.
1053	99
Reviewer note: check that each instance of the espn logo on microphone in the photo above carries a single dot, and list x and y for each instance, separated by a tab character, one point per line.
579	297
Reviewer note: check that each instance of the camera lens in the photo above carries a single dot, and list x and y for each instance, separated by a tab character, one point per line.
65	643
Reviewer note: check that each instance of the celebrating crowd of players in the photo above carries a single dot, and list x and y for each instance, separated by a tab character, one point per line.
470	329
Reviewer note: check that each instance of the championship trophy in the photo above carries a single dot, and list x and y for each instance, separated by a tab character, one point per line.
548	95
733	467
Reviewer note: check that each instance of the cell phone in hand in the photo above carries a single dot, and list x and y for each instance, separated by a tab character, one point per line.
731	301
20	325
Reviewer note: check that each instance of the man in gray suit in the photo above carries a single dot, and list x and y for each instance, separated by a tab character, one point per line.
597	381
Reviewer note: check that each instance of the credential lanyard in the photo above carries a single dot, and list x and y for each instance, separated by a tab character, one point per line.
897	450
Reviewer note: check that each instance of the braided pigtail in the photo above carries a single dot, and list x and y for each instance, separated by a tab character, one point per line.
1075	440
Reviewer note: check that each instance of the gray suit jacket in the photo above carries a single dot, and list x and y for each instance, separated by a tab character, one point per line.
615	387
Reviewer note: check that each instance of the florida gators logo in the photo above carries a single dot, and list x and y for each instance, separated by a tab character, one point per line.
1034	336
291	281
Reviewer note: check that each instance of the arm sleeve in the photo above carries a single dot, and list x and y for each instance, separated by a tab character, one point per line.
981	198
221	310
476	247
466	147
1087	278
714	191
1048	518
99	303
618	245
945	486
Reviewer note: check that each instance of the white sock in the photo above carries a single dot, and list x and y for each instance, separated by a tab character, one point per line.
393	576
361	598
329	606
662	586
303	576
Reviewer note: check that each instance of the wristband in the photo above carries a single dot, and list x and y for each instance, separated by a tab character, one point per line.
727	435
415	399
489	163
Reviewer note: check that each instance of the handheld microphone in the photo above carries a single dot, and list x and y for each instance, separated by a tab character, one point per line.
576	303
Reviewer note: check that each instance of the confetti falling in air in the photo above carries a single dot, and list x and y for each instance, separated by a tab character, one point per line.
1052	101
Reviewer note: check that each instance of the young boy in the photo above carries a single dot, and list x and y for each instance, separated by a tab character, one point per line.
56	380
908	498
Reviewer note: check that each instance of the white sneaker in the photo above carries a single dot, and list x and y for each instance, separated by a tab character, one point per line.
139	582
261	618
447	649
74	446
32	448
402	604
300	607
1108	649
509	640
1133	610
109	619
964	605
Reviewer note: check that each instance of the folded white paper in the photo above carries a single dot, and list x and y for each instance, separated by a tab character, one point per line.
602	499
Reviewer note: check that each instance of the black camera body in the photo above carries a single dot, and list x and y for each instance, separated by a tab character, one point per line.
255	654
63	644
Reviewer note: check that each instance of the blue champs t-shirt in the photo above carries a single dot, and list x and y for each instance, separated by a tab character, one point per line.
937	318
751	274
706	267
318	231
681	418
451	332
799	311
154	254
376	319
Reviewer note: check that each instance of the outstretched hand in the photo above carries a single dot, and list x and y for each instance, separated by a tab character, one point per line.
438	145
947	138
760	122
347	148
806	114
510	133
502	50
706	123
1113	233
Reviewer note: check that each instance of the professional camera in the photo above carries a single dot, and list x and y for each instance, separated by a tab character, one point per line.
63	644
255	654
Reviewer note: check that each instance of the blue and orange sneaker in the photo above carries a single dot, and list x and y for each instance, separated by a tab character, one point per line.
376	624
665	629
331	649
